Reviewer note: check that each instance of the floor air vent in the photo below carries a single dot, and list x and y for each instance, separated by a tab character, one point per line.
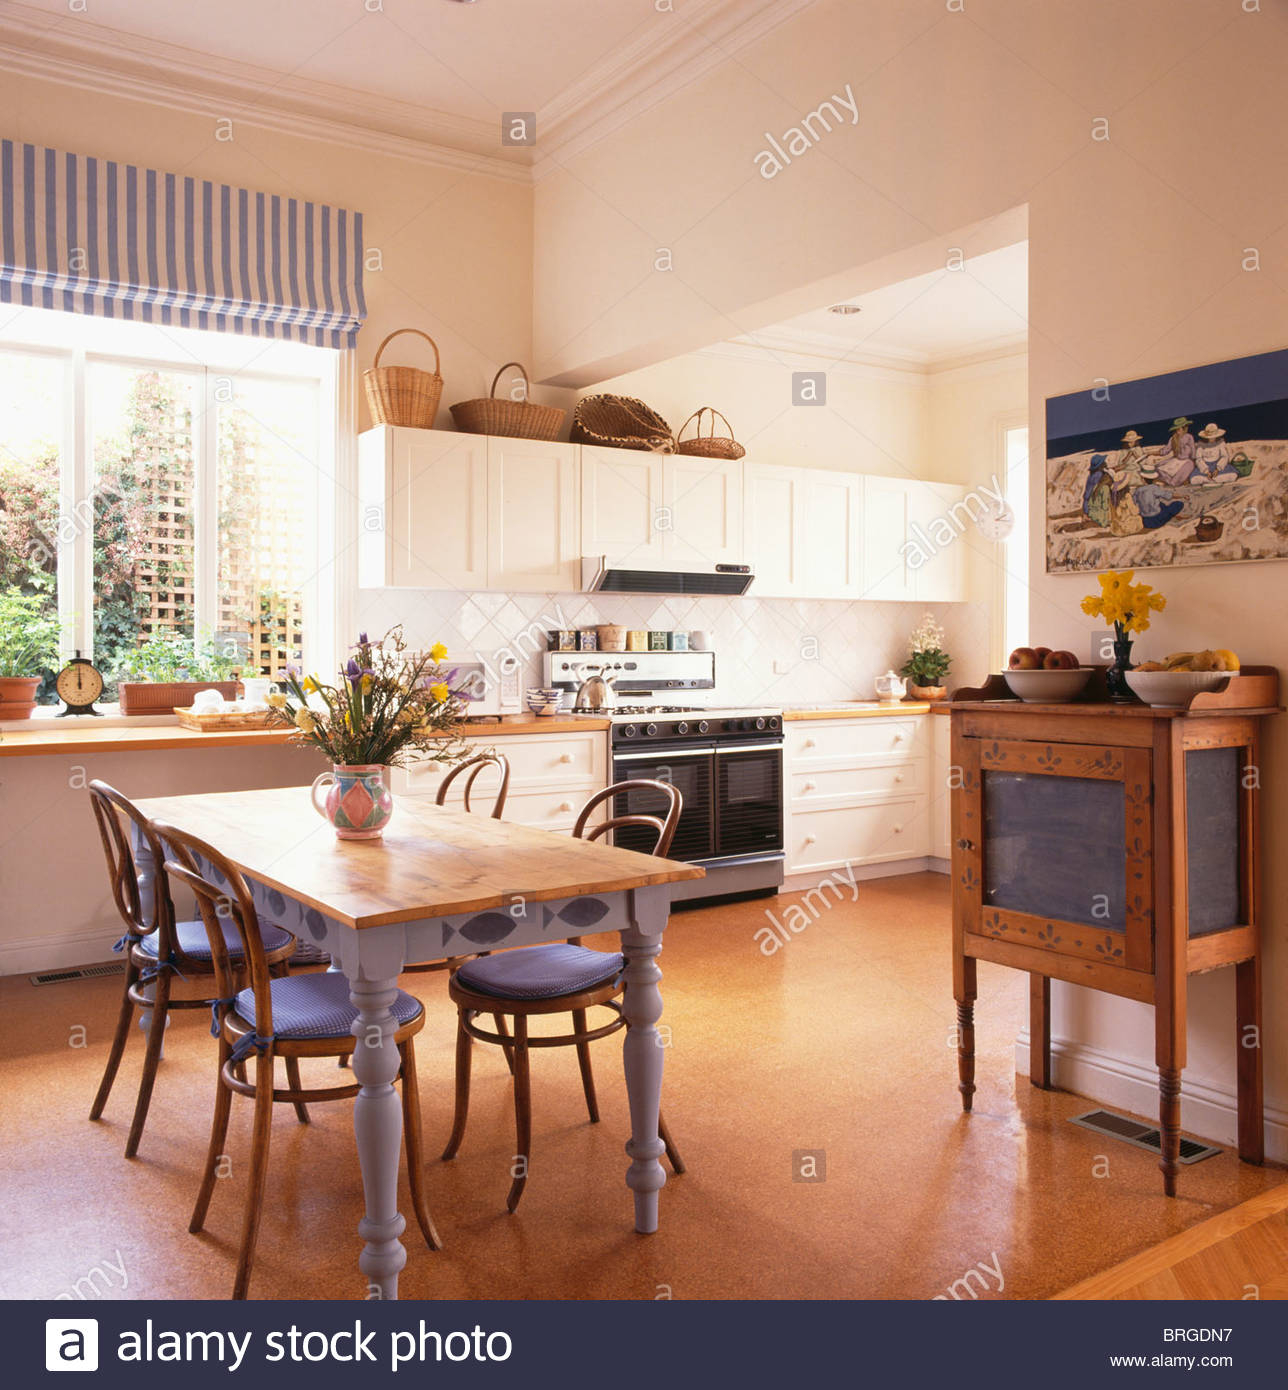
1142	1136
82	972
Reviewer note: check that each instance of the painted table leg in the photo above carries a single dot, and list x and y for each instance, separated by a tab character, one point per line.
642	1051
377	1125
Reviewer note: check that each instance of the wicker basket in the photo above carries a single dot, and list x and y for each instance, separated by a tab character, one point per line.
403	395
164	697
509	419
713	445
621	422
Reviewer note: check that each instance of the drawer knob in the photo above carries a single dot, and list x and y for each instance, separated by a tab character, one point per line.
898	830
809	743
898	738
809	839
898	777
565	806
965	844
565	757
809	786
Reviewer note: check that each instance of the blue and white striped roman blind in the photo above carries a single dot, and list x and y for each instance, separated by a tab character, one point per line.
94	237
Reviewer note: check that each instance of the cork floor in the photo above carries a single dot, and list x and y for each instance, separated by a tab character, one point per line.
840	1044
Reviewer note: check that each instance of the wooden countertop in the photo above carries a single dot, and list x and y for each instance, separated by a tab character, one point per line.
118	738
858	710
432	861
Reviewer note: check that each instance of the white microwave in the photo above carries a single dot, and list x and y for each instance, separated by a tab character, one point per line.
491	683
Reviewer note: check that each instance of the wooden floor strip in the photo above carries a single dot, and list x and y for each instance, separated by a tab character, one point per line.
1241	1253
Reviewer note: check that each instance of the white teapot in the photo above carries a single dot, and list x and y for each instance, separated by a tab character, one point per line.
890	688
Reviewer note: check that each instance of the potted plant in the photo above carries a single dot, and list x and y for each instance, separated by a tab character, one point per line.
927	662
388	705
28	649
167	670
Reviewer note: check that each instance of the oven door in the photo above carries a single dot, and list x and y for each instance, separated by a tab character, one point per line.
692	772
749	799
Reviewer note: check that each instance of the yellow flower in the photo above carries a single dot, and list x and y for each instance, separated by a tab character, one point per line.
305	722
437	652
310	684
276	700
440	692
366	684
1092	605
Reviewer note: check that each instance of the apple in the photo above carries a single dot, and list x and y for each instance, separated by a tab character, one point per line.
1042	654
1024	659
1060	661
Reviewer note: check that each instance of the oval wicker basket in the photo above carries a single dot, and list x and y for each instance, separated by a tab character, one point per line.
621	422
713	445
506	418
403	395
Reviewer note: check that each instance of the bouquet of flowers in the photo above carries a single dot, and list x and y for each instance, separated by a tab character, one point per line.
927	662
387	704
1124	604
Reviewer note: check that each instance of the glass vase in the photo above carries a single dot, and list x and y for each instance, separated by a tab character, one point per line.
1116	675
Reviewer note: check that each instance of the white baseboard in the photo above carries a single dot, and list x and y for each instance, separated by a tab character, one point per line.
1207	1112
31	954
939	866
798	883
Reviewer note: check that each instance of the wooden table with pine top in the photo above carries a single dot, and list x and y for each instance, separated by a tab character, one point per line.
441	883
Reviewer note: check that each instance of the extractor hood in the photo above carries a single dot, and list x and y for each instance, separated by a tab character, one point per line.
604	574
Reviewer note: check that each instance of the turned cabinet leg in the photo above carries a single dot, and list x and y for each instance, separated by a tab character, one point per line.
1040	1031
1247	989
1169	1120
966	1051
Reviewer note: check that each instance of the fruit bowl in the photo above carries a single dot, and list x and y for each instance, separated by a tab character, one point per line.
1173	689
1048	687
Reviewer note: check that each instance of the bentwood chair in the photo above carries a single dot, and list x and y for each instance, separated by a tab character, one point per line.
476	767
289	1017
566	977
156	947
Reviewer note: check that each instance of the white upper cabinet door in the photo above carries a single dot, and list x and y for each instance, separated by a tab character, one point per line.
774	520
622	504
887	515
939	544
833	534
423	509
702	501
534	531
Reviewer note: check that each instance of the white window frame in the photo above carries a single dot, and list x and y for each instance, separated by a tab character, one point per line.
79	341
1009	581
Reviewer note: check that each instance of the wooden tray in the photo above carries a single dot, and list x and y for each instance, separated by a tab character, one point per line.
1254	687
225	722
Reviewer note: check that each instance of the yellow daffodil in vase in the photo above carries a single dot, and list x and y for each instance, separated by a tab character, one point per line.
388	706
1127	606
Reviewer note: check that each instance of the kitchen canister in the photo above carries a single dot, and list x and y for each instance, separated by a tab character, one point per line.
679	641
659	641
563	640
587	639
637	640
699	640
612	637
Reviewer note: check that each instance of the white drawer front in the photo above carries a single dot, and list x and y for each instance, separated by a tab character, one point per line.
854	740
858	784
827	838
537	762
556	810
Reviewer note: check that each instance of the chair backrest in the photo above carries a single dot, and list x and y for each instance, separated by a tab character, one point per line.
664	825
222	894
145	907
476	766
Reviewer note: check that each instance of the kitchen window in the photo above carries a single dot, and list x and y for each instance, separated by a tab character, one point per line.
163	480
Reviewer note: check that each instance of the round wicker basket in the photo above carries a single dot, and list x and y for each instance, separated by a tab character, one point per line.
710	446
403	395
621	422
508	419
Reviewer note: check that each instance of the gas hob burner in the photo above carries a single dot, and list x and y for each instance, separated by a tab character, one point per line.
631	711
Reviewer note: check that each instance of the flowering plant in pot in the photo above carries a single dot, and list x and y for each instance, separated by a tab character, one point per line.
168	669
28	649
928	663
389	705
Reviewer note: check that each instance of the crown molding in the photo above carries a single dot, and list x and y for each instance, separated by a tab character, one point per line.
641	74
1002	355
986	358
765	350
95	58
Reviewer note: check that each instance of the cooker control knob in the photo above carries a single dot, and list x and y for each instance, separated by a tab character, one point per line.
650	729
704	727
775	722
761	724
629	731
682	727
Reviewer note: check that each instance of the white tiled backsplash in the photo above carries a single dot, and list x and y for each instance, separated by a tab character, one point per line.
835	648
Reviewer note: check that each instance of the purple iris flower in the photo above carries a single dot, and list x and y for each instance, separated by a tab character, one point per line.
353	671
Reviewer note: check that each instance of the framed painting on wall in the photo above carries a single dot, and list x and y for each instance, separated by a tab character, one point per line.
1190	468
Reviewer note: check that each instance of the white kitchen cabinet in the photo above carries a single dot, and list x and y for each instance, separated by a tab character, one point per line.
775	512
834	534
422	509
704	498
442	510
936	516
858	793
622	504
887	516
533	531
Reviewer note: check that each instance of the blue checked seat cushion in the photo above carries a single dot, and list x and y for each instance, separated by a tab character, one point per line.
540	972
194	942
316	1006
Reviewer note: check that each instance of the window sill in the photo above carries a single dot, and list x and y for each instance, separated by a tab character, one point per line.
85	734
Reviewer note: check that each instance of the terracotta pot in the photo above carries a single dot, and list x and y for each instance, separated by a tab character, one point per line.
17	696
164	697
927	692
355	799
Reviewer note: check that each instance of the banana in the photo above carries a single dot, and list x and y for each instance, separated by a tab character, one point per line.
1178	661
